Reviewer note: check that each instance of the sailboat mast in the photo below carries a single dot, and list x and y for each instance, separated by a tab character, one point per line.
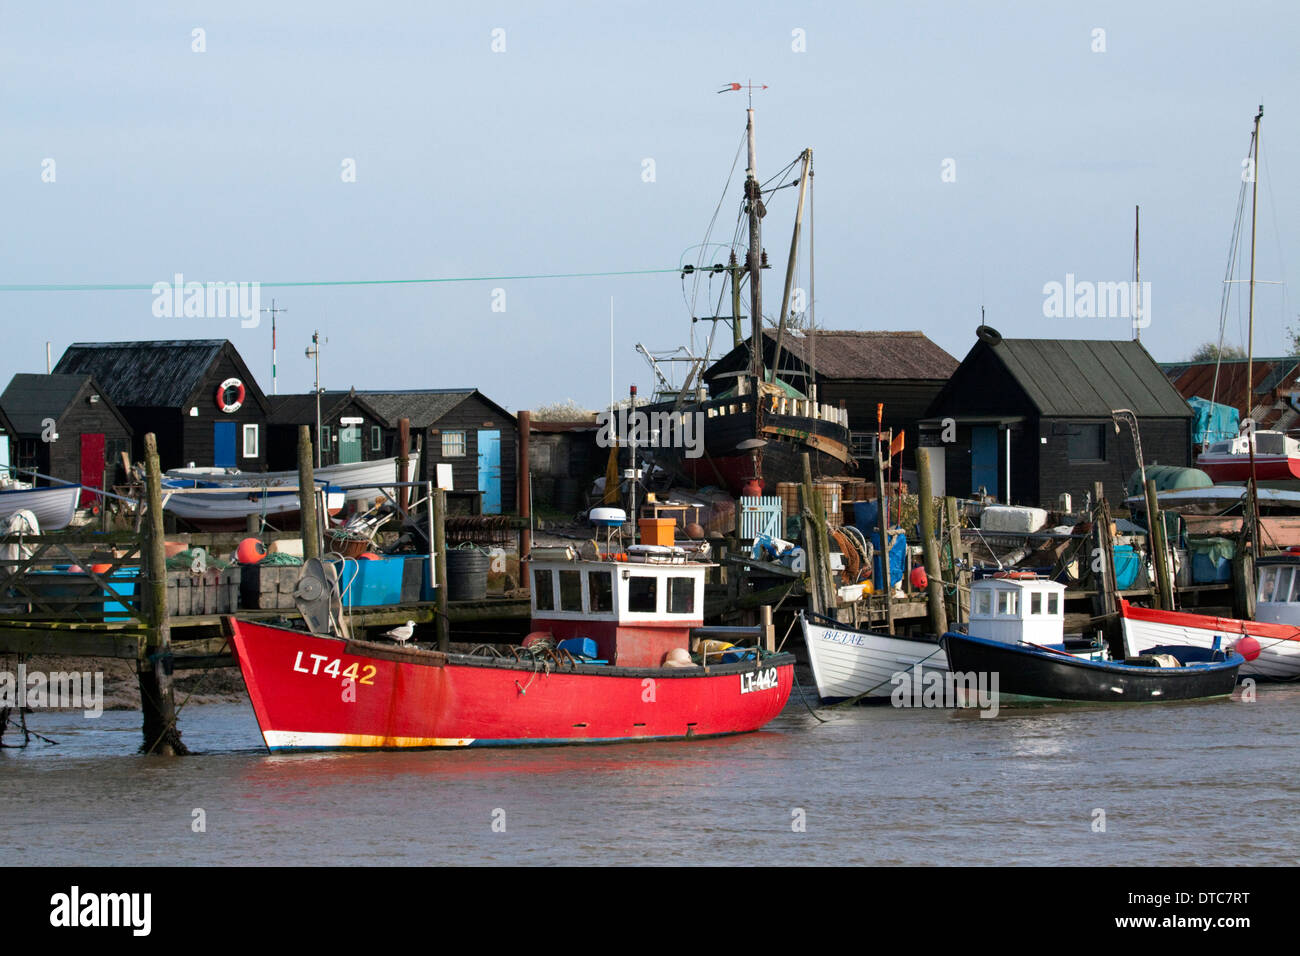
1250	324
790	265
754	259
1137	272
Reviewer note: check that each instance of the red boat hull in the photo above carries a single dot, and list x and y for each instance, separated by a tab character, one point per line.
1237	468
314	693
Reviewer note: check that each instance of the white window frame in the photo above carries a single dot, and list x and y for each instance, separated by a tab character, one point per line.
464	444
253	432
376	438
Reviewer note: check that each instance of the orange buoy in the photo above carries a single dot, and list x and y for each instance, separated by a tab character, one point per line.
371	556
101	568
250	551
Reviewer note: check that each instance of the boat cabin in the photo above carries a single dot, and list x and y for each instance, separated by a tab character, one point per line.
1025	609
1267	443
636	605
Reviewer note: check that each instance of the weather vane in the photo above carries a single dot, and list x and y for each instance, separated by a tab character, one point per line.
737	87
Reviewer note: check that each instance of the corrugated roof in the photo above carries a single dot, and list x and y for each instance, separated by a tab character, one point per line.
1198	379
144	374
422	407
871	355
1087	377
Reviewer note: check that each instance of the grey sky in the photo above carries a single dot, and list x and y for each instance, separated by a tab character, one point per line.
225	165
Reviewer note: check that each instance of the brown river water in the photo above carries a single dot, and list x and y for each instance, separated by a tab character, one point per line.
1194	783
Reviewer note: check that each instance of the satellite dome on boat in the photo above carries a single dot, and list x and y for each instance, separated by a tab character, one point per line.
607	517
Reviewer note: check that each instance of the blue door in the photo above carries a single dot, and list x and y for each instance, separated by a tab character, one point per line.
489	470
984	460
223	444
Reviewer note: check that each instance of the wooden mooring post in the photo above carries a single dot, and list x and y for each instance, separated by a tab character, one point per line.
938	614
955	578
525	496
1103	570
1159	550
307	496
438	502
154	670
883	523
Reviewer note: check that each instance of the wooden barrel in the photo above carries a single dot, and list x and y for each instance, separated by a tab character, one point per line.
788	491
831	497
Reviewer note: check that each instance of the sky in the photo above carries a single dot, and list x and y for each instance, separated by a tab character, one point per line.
965	156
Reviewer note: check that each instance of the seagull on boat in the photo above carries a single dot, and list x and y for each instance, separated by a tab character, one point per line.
402	634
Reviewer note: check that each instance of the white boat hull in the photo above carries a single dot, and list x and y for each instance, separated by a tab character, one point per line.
206	506
360	480
849	663
1279	656
54	507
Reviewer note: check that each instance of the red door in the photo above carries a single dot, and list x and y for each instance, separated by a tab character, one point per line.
92	467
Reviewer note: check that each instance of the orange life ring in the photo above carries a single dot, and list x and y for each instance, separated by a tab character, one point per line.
230	407
1016	575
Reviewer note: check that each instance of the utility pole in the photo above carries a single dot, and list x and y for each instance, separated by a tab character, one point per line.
273	310
313	351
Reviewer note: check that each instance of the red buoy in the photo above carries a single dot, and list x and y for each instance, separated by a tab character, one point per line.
1247	647
250	551
919	579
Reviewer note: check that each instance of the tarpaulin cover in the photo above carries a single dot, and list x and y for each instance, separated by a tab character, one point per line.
1212	422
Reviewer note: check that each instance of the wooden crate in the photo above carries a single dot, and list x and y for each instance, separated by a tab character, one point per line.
214	591
268	587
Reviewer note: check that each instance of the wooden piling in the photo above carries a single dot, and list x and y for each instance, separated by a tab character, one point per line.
822	597
938	614
525	496
768	638
403	461
157	698
882	520
310	532
952	575
1159	550
438	501
1103	570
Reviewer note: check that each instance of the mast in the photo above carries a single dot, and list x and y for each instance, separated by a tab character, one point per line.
754	258
790	263
1137	272
812	301
1250	357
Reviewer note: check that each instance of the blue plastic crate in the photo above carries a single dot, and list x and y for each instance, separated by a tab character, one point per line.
370	583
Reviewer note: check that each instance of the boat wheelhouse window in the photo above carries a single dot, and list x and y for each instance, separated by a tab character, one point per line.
1267	583
642	594
600	591
453	444
1007	602
1035	603
1270	443
681	595
1087	443
570	590
1220	448
543	590
1053	603
1284	578
983	602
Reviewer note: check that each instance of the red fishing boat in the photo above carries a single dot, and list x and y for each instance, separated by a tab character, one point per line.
1277	458
629	616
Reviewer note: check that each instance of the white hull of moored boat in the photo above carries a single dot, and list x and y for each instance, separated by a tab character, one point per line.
360	480
54	507
850	663
1279	654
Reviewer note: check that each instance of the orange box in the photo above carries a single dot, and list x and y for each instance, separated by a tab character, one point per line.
658	531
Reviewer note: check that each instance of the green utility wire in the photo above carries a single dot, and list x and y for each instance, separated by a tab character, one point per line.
109	287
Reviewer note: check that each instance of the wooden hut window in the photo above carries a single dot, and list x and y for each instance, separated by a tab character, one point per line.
453	444
250	441
1087	443
376	438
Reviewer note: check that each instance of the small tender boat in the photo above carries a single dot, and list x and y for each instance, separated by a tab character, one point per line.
360	480
54	507
632	613
1276	628
1277	458
223	509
